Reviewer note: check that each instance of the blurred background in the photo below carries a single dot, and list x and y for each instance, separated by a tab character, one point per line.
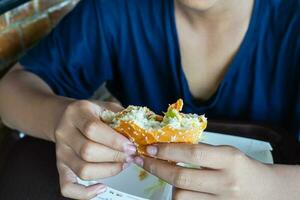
22	24
25	24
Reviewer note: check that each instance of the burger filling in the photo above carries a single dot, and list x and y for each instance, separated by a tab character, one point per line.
146	119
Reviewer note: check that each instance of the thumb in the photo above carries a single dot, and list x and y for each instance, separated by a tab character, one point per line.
71	189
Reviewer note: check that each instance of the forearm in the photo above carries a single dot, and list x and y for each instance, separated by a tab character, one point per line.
27	104
287	181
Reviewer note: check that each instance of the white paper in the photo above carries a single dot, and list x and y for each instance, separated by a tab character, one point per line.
128	186
256	149
128	181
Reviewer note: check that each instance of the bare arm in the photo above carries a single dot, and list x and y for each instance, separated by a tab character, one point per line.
29	105
85	146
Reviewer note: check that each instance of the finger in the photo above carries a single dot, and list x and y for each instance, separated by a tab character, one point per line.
85	117
113	106
71	189
86	170
207	181
180	194
215	157
94	152
99	132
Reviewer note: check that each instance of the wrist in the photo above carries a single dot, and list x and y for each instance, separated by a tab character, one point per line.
56	106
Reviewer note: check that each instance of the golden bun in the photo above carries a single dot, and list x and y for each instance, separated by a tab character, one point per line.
142	137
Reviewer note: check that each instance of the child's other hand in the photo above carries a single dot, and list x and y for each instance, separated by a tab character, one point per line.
89	149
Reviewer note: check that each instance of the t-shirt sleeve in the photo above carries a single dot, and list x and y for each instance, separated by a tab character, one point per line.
74	59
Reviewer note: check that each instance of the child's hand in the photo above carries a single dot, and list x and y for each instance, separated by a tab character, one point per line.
89	149
226	172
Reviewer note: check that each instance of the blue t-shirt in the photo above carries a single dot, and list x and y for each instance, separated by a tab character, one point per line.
132	45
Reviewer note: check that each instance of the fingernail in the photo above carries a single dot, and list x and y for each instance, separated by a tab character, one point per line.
125	165
152	150
101	189
129	159
129	149
139	161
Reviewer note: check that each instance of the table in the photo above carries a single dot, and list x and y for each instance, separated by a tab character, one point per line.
29	171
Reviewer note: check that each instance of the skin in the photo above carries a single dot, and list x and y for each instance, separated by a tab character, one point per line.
210	33
82	140
85	146
226	173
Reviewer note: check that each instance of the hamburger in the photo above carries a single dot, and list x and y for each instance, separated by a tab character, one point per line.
144	127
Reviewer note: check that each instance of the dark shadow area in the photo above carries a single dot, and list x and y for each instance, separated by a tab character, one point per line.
29	172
